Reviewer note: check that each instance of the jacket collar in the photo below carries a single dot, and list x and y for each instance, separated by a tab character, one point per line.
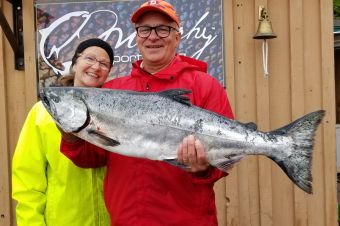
178	65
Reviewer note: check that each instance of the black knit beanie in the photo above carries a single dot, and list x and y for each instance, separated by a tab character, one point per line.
93	42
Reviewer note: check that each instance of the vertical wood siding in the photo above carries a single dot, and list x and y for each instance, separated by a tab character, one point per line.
301	80
5	201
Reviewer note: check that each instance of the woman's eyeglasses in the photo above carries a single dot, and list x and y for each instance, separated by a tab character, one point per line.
91	60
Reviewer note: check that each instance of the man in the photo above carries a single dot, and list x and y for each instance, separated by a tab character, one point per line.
152	193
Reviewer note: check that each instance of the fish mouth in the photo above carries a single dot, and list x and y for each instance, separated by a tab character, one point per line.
46	102
43	97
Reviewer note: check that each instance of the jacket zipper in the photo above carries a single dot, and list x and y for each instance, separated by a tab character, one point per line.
147	87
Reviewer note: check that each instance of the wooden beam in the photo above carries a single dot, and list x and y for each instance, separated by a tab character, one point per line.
8	32
5	198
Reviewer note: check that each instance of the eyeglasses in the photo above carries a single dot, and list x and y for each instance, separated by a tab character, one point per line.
162	31
91	60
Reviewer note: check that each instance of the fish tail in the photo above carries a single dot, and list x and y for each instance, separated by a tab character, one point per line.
298	165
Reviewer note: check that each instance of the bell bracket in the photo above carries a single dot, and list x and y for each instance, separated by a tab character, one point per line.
15	37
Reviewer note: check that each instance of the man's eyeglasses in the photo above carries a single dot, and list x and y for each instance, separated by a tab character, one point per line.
91	60
162	31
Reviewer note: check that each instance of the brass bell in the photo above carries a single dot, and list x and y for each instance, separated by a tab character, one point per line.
264	30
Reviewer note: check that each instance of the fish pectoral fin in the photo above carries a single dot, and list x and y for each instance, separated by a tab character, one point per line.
227	163
107	141
174	162
177	95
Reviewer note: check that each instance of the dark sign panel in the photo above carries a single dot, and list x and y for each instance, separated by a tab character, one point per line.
61	26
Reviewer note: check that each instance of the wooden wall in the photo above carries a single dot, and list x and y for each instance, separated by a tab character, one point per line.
301	80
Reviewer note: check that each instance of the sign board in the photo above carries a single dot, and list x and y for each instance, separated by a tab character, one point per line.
62	25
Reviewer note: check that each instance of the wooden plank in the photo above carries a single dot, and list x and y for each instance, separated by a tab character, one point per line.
30	57
222	204
296	21
252	173
280	107
231	181
229	50
245	109
5	207
313	101
328	88
15	91
15	103
263	123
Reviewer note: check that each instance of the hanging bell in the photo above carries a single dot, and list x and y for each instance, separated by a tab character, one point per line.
264	30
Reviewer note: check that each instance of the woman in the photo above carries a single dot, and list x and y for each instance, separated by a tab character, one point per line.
48	187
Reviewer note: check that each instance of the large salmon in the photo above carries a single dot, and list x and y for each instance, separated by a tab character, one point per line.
151	125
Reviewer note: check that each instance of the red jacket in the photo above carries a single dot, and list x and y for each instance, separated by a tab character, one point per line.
143	192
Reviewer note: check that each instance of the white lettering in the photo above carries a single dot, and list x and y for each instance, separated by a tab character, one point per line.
197	35
126	58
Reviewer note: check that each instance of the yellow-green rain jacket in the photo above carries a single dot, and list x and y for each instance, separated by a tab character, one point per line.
49	189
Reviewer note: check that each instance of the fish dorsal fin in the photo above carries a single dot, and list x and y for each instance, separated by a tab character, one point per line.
251	125
177	95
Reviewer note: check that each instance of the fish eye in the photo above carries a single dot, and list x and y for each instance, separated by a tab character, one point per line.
55	98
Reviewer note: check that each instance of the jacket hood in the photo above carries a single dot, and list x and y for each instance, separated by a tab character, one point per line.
201	65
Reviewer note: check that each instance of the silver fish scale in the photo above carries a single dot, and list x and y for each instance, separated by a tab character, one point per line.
166	122
161	124
151	125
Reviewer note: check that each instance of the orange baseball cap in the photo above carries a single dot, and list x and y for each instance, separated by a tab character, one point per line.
156	5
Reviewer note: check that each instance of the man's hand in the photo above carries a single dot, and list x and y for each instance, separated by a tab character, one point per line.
191	153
